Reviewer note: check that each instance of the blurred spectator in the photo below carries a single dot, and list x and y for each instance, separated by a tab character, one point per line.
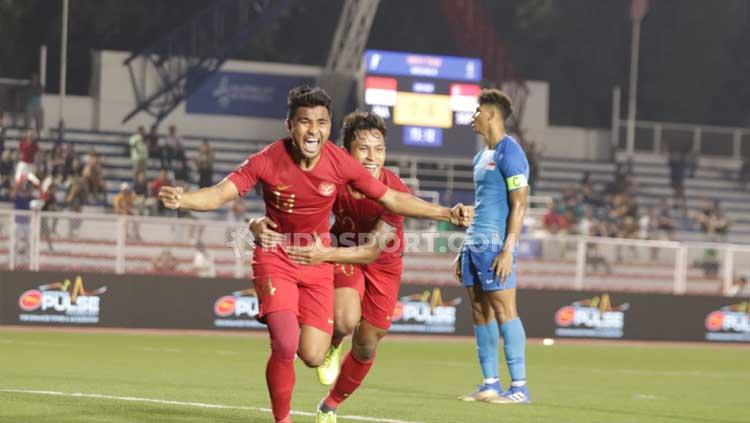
623	169
74	201
60	138
181	173
203	262
56	160
93	178
554	221
124	203
647	224
713	222
34	110
169	146
72	168
205	165
236	217
49	196
28	147
152	142
22	195
165	262
665	224
677	166
138	151
740	287
140	186
6	168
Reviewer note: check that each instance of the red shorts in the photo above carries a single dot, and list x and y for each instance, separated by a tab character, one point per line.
305	290
377	284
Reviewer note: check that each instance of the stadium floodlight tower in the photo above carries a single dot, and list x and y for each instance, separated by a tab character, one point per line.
167	72
343	71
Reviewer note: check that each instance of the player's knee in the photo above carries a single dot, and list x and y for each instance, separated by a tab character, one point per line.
365	343
364	350
312	356
284	347
480	315
345	323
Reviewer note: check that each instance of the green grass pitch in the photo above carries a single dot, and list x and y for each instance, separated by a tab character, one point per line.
412	381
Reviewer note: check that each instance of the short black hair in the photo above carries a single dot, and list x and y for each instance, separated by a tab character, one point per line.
306	96
361	121
495	97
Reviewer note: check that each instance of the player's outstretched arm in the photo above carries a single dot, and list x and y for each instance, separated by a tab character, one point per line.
204	199
374	243
408	205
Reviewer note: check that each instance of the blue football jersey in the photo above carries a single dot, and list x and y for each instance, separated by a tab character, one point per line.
496	173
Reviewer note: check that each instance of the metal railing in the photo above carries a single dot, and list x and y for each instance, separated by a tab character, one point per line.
122	244
709	141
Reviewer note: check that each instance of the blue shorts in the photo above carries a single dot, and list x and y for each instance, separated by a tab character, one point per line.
476	268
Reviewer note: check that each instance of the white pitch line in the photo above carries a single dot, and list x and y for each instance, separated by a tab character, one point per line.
190	404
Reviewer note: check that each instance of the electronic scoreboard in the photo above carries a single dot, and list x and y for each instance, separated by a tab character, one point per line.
427	101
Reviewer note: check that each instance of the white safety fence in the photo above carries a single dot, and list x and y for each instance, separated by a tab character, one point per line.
157	245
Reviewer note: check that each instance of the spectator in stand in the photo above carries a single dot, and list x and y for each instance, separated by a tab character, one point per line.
138	151
34	110
677	167
554	221
205	165
155	185
74	201
28	147
124	203
665	224
6	169
169	146
691	162
49	197
622	170
93	178
140	189
56	161
41	164
203	262
713	221
60	138
236	217
165	262
152	142
181	173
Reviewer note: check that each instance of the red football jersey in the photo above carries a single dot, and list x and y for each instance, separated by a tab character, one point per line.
359	215
299	201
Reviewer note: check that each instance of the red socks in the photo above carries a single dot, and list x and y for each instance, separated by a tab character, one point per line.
284	330
353	372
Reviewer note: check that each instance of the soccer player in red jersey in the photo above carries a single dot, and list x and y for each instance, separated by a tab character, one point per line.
300	176
367	271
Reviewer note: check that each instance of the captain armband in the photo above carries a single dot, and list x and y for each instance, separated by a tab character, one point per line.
516	182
